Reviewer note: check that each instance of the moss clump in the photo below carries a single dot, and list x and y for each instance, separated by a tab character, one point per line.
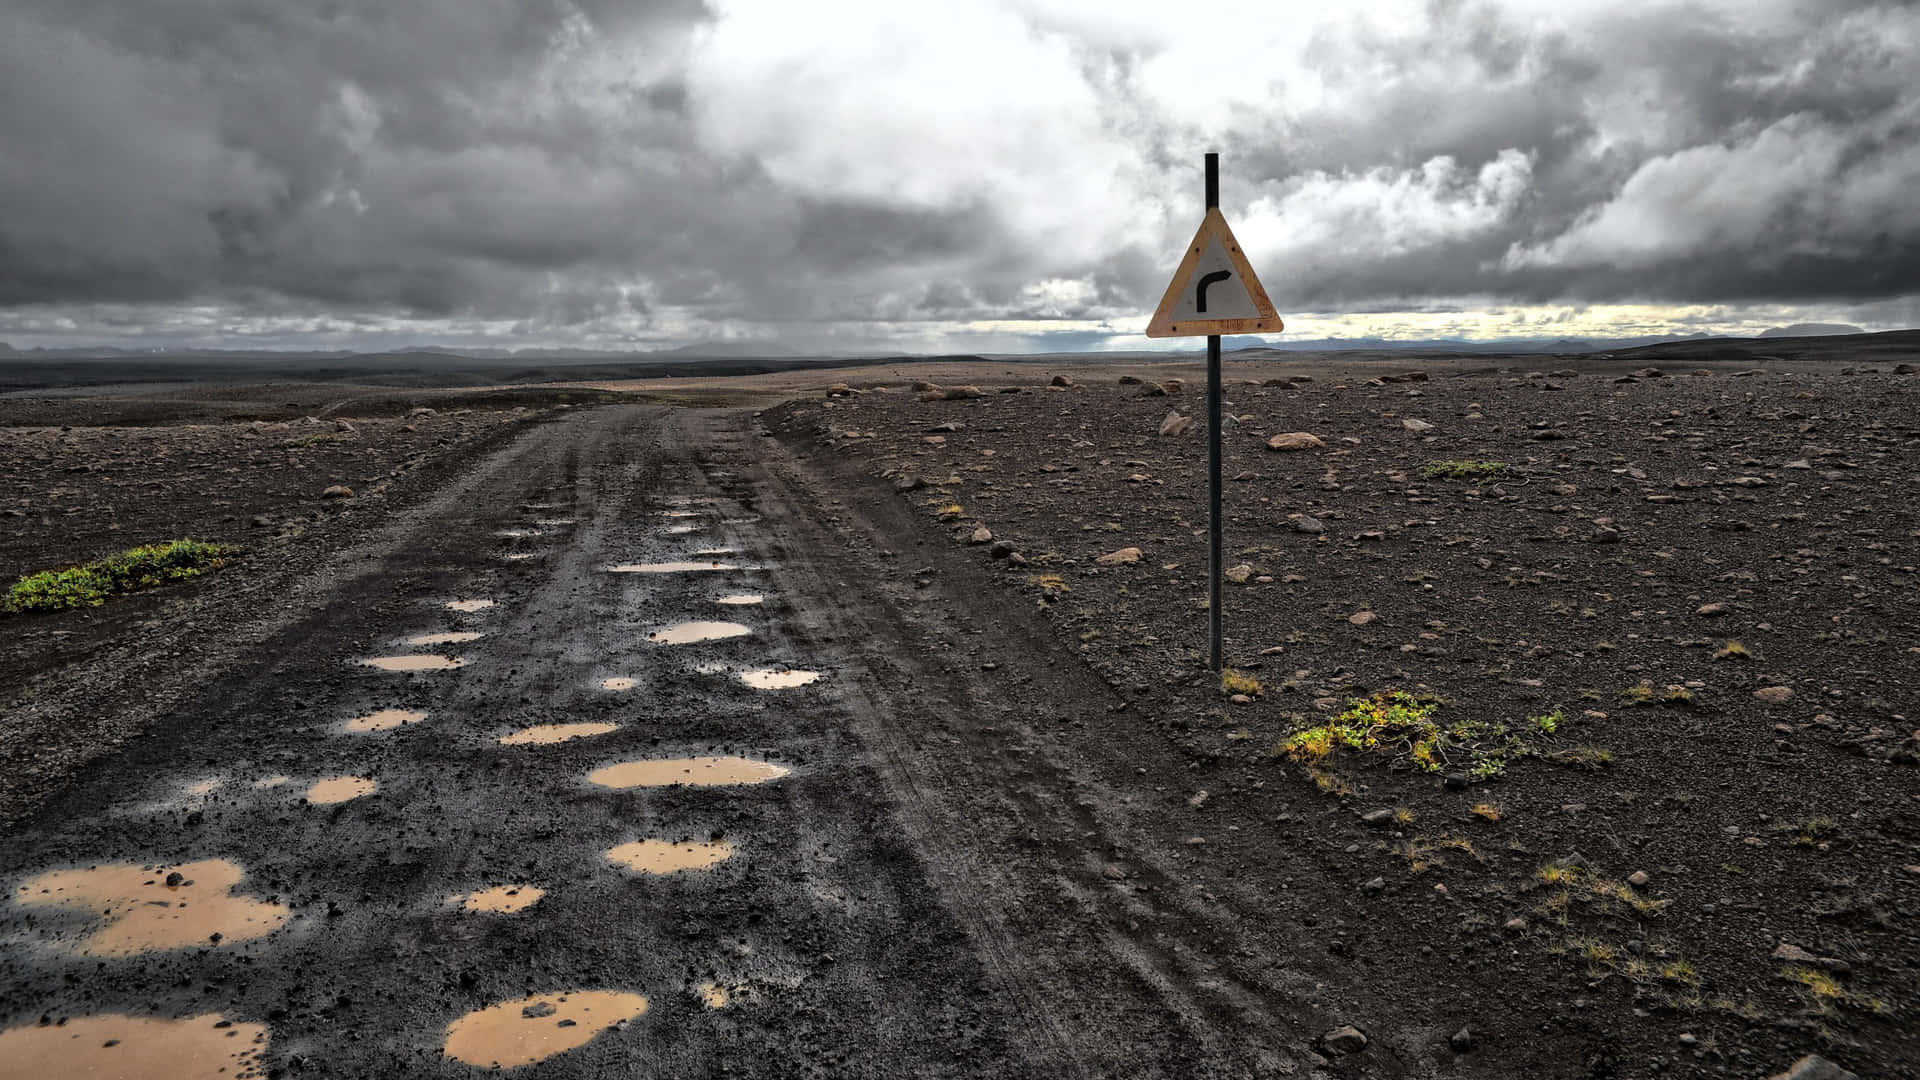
1402	727
1462	470
1238	682
90	584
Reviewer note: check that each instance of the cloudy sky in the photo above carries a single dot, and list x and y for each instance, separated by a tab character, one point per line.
975	175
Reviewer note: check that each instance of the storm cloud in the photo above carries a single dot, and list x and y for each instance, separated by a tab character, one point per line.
847	172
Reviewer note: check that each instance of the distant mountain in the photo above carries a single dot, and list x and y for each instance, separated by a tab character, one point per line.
1811	329
729	349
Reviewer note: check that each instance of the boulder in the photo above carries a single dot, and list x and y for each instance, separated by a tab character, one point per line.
1295	440
1175	424
1126	556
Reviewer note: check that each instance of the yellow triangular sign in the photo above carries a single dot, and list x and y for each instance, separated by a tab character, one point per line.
1214	291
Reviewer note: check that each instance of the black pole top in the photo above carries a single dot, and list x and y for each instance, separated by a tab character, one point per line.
1213	180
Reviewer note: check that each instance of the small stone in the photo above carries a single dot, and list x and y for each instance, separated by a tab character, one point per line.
1001	549
1305	524
1239	574
1295	440
337	491
1346	1039
1126	556
1378	818
1153	390
1061	380
1455	781
1516	924
1175	424
1773	695
538	1009
1114	872
1638	879
1362	618
1130	380
908	483
1711	609
261	521
1416	426
981	535
1461	1041
962	393
174	879
1815	1067
1378	884
839	389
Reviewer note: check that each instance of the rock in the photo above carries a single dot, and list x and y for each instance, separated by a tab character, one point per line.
1517	924
1416	425
1130	380
962	393
1378	818
1378	884
1239	574
1814	1067
1455	781
1175	424
538	1009
1638	878
1793	954
908	483
1061	380
1126	556
1711	609
839	389
343	427
415	414
1604	536
981	535
1173	386
1001	549
1461	1041
1114	872
1153	390
261	521
337	491
1905	369
1650	373
1361	618
1773	695
1295	440
924	387
1344	1040
947	428
1547	435
1305	524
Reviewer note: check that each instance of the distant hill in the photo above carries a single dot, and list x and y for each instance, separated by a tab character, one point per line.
1811	329
735	349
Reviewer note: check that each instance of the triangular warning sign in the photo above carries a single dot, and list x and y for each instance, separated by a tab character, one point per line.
1214	291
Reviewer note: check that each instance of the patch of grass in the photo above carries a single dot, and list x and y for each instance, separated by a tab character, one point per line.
90	584
1332	783
1238	682
1423	853
1733	650
1640	694
1489	810
1809	832
1404	729
1549	723
1557	873
1825	992
952	511
1462	470
1051	583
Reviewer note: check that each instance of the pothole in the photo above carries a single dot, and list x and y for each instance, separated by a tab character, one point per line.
501	899
385	720
422	662
208	1047
516	1033
619	682
666	857
452	637
774	679
145	909
547	734
339	789
681	567
469	606
693	772
691	633
744	599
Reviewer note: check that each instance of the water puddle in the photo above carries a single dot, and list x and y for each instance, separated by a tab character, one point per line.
385	720
679	513
517	534
339	789
619	682
501	899
713	995
693	772
135	1048
415	663
690	500
743	599
519	556
548	734
708	553
152	909
692	633
680	530
454	637
771	679
685	567
469	606
200	789
665	857
516	1033
556	523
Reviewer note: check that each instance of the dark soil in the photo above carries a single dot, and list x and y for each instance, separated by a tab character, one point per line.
1640	525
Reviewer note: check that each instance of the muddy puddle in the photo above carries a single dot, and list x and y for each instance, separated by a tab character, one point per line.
619	682
385	720
772	679
693	772
666	857
516	1033
339	789
115	1047
421	662
469	606
451	637
682	567
501	899
548	734
680	530
692	633
154	909
742	599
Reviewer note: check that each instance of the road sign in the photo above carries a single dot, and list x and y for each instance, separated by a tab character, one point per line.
1214	291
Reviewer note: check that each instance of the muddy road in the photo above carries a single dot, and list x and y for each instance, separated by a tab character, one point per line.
613	759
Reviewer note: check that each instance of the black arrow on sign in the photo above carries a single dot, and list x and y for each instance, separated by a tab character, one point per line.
1200	292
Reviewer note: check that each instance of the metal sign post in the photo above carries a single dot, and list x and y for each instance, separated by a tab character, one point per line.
1214	292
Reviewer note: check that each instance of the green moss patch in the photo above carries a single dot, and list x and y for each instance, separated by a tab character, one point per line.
90	585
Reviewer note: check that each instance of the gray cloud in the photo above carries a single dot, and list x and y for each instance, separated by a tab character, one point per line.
667	169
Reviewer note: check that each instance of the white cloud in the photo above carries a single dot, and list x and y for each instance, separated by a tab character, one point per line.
1384	212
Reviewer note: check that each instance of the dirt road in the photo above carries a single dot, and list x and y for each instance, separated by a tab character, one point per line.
518	789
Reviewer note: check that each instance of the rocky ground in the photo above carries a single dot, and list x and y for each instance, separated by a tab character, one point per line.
1688	599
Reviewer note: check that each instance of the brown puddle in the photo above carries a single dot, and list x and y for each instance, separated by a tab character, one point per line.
501	899
769	679
469	606
619	682
115	1047
423	662
669	567
454	637
666	857
692	633
385	719
548	734
339	789
154	909
745	599
693	772
516	1033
